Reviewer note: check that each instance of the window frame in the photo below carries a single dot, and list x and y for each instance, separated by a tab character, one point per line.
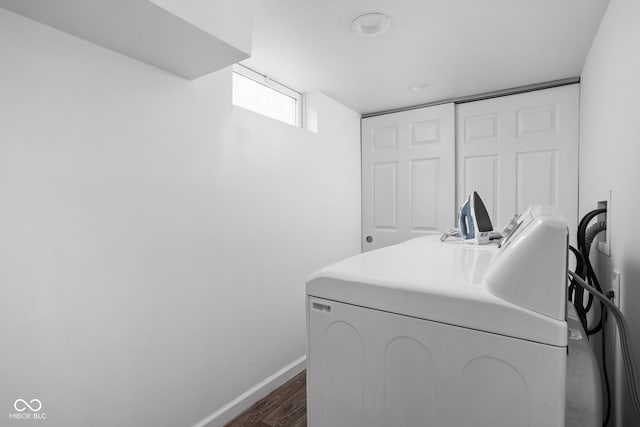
265	80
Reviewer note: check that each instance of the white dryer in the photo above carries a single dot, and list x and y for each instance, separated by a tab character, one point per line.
427	333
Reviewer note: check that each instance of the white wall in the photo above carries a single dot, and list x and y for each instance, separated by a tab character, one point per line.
610	152
154	240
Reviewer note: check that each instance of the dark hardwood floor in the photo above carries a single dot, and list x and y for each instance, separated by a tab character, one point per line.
284	407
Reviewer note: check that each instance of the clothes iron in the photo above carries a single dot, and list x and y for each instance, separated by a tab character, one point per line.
475	224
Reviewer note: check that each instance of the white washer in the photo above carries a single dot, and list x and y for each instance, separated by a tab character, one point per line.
427	333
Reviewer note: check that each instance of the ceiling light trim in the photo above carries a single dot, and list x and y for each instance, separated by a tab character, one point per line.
371	24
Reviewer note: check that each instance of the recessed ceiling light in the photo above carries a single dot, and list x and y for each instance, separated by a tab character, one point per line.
370	24
418	87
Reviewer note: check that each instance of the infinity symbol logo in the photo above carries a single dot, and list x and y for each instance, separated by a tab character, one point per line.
21	405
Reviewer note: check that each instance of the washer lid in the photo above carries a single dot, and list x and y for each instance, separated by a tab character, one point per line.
431	280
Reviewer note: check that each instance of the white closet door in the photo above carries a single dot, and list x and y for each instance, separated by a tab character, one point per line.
520	150
408	175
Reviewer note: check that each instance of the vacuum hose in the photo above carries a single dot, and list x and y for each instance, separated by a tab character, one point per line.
591	234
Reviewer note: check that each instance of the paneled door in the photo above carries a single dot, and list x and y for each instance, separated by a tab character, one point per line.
520	150
408	177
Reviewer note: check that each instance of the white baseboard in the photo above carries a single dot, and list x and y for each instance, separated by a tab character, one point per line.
243	402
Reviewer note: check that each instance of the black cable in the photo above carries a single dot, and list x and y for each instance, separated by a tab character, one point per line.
572	285
607	417
582	226
579	262
576	293
625	344
592	279
598	326
589	237
590	275
585	238
593	282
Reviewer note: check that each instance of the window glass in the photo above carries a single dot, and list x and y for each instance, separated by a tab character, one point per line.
257	93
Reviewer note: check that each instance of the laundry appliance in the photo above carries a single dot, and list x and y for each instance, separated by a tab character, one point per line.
431	333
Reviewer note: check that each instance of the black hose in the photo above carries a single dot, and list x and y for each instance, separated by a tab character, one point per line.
607	416
584	270
582	226
576	293
584	247
582	229
625	344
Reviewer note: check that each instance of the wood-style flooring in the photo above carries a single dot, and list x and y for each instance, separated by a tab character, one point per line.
284	407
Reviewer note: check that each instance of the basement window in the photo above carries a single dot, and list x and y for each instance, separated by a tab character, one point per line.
258	93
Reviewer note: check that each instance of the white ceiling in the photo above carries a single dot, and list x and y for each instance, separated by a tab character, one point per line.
458	47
